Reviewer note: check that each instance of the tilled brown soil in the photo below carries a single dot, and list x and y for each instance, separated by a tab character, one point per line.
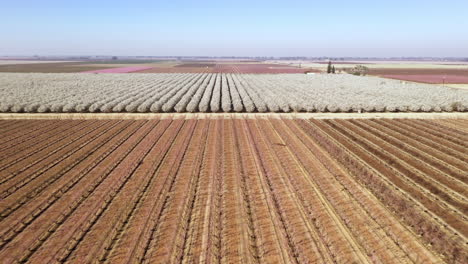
415	71
248	68
227	190
434	76
60	67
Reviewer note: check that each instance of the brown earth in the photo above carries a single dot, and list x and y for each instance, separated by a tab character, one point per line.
196	65
434	76
233	191
251	68
177	70
343	62
65	67
190	67
402	71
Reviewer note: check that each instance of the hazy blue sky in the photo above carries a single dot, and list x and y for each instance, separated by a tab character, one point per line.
237	28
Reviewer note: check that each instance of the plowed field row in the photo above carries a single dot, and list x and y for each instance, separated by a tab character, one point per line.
234	191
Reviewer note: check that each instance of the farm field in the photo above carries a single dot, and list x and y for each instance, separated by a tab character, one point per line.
228	190
414	71
390	65
232	67
207	92
52	67
120	70
144	66
17	62
76	66
434	76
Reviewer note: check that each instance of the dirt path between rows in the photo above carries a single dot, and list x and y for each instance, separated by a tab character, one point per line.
231	115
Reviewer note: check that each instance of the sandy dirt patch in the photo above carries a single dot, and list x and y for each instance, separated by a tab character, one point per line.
454	115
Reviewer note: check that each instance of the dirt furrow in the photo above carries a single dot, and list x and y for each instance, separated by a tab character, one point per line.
23	239
93	244
275	237
177	215
21	147
414	147
176	205
5	125
266	223
455	130
198	246
405	179
315	204
42	146
460	126
419	160
380	221
28	170
438	130
239	248
237	243
246	195
234	190
149	168
19	213
135	241
417	172
457	123
429	146
383	183
22	129
440	143
217	226
367	235
47	179
297	222
64	240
